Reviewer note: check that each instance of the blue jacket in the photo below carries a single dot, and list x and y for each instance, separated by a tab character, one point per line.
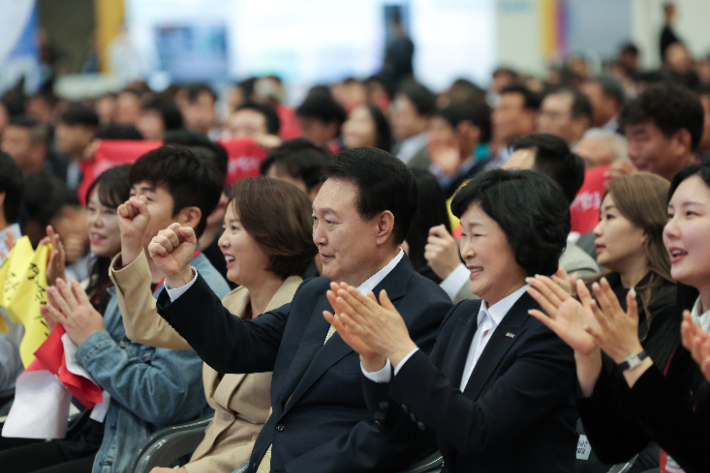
150	388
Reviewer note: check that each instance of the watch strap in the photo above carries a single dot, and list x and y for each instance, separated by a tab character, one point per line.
632	361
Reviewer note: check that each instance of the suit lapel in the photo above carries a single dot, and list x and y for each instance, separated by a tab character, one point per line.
311	342
501	341
459	345
313	358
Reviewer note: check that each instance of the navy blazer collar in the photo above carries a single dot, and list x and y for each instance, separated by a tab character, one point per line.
503	338
313	358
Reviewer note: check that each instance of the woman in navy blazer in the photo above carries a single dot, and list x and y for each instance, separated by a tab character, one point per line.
498	388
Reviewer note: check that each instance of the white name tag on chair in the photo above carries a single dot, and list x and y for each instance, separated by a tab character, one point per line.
583	448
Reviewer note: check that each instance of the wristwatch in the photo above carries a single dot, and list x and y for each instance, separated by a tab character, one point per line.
632	361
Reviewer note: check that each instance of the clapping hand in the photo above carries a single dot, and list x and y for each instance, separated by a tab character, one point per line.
570	320
363	322
565	281
568	317
57	261
616	331
697	341
68	304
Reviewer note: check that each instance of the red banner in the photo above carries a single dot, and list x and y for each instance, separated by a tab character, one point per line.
50	356
112	153
585	208
244	158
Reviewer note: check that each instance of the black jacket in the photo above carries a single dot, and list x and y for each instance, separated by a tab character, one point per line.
517	411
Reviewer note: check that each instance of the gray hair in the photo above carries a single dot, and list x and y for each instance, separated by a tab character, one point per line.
615	140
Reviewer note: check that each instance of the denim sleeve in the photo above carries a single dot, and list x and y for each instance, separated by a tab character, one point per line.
10	361
162	389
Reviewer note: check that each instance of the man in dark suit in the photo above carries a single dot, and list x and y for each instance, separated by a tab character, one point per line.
320	421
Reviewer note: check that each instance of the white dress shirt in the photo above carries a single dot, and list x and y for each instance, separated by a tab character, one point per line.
453	283
488	320
701	319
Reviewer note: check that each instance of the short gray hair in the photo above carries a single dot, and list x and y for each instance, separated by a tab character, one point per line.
615	140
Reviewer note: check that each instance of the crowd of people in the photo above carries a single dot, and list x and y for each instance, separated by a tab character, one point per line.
401	278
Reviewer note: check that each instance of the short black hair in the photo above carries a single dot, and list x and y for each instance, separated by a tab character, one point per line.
38	131
300	158
113	131
322	106
14	100
554	159
172	118
202	146
247	86
580	103
530	209
384	81
531	99
196	88
46	197
630	48
479	115
12	183
79	114
611	87
384	183
190	180
273	123
670	106
506	70
422	98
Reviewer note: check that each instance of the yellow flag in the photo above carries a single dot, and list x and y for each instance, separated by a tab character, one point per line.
31	292
20	257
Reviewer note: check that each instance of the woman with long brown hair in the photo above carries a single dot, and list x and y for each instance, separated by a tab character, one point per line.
629	243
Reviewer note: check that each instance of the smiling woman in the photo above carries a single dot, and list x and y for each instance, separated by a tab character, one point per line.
103	197
498	387
637	400
629	243
268	246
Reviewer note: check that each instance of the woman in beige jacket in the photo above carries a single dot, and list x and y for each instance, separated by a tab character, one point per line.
268	246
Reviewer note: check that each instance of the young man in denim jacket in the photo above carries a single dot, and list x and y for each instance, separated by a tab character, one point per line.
150	388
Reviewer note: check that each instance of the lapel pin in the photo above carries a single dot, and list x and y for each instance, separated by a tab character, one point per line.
510	335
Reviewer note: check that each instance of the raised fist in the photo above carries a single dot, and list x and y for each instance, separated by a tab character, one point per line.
133	218
172	250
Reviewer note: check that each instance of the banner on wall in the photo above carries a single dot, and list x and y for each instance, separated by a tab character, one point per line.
19	51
